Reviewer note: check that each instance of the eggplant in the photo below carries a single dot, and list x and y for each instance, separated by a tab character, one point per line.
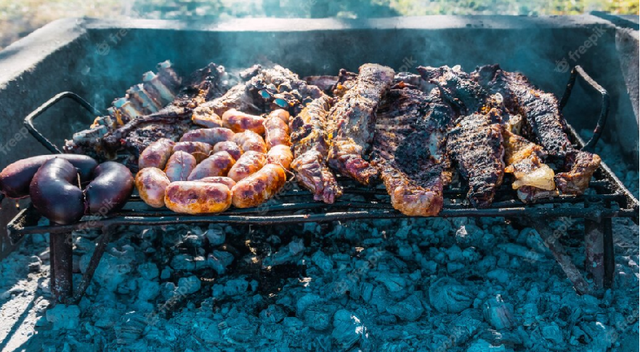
55	193
110	188
15	178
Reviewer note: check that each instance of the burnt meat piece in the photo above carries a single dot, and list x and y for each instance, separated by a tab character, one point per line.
266	89
310	146
475	144
354	118
124	133
544	125
409	148
457	87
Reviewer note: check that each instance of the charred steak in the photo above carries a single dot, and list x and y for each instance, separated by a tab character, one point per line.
544	125
409	148
354	118
310	147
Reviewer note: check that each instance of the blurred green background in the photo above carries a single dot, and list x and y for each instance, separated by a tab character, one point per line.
20	17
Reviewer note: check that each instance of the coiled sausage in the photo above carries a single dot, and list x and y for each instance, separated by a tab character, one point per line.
180	166
199	150
110	188
15	178
239	121
257	188
55	193
196	197
216	165
249	163
249	140
156	154
151	183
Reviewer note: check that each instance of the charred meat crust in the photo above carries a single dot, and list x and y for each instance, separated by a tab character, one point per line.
354	116
309	135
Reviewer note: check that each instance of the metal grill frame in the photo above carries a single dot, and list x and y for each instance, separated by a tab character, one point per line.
606	199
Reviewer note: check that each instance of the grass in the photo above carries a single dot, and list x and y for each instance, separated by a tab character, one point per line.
20	17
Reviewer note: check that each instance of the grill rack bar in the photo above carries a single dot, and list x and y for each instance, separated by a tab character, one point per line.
606	198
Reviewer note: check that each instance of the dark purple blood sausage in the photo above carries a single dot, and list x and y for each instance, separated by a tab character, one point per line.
15	178
110	188
55	193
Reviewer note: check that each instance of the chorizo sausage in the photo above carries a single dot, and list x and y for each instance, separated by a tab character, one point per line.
216	165
110	188
208	135
156	154
55	193
276	132
179	166
248	163
228	181
195	197
257	188
281	114
15	178
151	183
249	140
199	150
229	147
239	121
280	155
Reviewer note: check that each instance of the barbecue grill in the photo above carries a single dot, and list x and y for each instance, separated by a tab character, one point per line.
606	198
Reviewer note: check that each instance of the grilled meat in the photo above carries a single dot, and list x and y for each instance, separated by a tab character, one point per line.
457	87
475	144
409	148
533	178
544	125
310	147
354	118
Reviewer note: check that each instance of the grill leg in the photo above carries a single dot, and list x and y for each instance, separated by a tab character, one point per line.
609	255
61	266
594	246
93	264
551	241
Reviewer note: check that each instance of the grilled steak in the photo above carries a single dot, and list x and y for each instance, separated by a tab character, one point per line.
354	118
475	144
544	125
409	148
457	87
310	147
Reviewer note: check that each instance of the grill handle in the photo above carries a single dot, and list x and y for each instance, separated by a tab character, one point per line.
604	110
28	121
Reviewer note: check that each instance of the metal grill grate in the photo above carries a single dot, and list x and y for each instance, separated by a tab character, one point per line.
606	198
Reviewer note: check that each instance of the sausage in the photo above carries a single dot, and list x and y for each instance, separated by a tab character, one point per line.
195	197
110	188
281	114
239	121
179	166
229	147
208	135
216	165
228	181
204	116
257	188
151	183
276	132
15	178
55	193
280	155
249	140
156	154
248	163
199	150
